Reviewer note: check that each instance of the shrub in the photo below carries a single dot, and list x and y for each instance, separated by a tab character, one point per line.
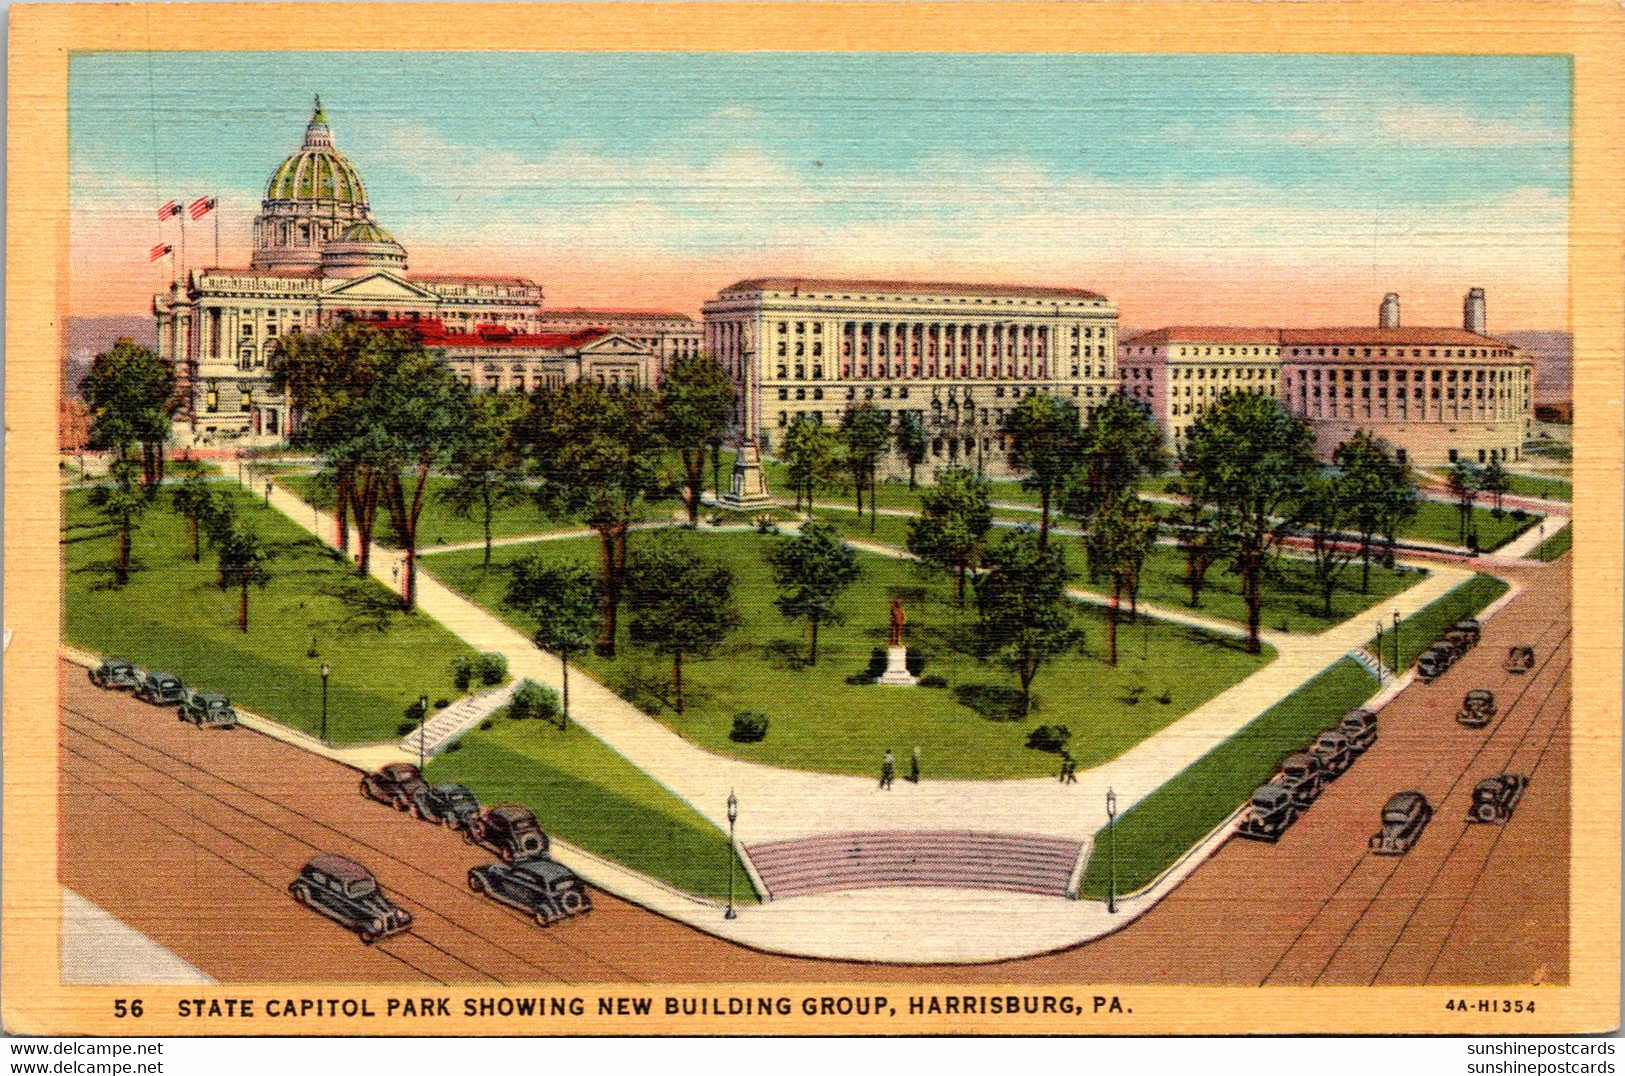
749	727
455	746
487	724
766	524
441	704
415	713
933	681
1051	738
405	728
492	669
533	700
915	661
462	672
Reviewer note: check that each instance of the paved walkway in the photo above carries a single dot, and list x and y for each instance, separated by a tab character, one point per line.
99	949
778	804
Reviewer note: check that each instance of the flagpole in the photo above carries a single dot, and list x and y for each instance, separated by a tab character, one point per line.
215	209
182	215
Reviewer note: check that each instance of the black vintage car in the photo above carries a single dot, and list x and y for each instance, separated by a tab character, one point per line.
397	784
1495	797
207	709
1333	750
541	887
1404	817
1520	659
1469	627
1302	776
510	831
1360	726
116	674
1477	708
1269	813
1435	661
453	806
160	689
347	893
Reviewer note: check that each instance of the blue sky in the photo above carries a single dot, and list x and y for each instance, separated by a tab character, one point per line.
739	163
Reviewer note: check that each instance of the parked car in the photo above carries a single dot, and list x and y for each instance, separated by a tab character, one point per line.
347	893
1404	817
1435	660
1460	641
1360	726
453	806
1469	627
1477	708
1495	797
160	689
397	784
1302	776
1520	659
207	709
510	831
540	887
1269	813
116	674
1333	751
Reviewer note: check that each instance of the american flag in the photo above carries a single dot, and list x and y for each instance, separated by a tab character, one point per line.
159	251
200	208
170	208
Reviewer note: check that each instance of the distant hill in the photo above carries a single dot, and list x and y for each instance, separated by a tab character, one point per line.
90	336
1554	361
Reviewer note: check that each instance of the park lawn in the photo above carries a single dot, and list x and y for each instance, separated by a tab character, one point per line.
171	616
821	722
1153	834
584	792
1527	485
1555	546
1438	522
1421	629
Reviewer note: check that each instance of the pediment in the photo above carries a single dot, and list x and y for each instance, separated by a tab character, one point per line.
380	285
614	344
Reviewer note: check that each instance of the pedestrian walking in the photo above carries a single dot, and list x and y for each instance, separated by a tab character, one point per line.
1069	769
888	769
914	768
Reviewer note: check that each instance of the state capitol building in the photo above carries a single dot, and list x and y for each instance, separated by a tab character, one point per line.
956	356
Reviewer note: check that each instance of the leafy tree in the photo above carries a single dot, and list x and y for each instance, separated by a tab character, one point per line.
565	601
696	403
682	605
242	564
121	503
192	500
1197	531
1465	484
596	452
1046	446
809	456
1025	616
1250	460
865	433
533	700
911	441
485	464
1327	511
1124	531
1119	446
131	395
1380	490
1493	480
951	530
811	570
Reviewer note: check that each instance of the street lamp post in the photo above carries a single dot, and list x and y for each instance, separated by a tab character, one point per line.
326	671
733	853
267	493
423	725
1396	642
1111	839
1379	649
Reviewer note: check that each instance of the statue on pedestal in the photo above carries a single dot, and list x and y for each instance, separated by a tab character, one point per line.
897	622
896	653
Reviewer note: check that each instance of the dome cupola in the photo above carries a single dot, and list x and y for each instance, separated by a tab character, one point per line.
312	198
361	249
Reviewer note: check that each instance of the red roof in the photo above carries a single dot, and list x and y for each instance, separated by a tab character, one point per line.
583	313
906	287
1206	334
432	332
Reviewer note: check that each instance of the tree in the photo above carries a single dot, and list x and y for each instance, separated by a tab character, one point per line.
595	451
1197	531
865	433
1250	460
565	601
1465	484
696	404
485	464
682	605
242	564
811	570
951	530
1494	481
1327	511
1024	615
192	500
1381	493
809	456
121	503
131	395
911	441
1120	445
1124	531
1046	446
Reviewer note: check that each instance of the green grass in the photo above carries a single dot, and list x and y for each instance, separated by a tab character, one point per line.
820	722
172	616
1420	630
587	794
1550	448
1152	835
1555	546
1529	485
1439	523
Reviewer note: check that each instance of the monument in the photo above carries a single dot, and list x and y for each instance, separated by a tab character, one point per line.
896	653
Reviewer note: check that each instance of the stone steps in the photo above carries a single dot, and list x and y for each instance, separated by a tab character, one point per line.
1022	863
443	729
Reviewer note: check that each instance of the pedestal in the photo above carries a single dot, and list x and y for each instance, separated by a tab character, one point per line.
749	487
897	674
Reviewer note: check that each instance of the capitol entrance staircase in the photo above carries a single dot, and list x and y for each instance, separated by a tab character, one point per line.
1011	862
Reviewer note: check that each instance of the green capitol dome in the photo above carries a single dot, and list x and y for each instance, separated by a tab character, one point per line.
313	199
317	170
367	231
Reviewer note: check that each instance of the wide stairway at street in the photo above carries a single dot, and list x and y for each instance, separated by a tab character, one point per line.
1013	862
